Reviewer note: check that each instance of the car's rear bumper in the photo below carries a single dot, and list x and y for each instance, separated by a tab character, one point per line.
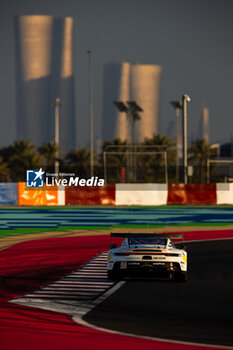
146	269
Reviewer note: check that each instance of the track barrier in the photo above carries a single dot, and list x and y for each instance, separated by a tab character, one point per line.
37	196
192	194
90	195
141	194
8	193
119	194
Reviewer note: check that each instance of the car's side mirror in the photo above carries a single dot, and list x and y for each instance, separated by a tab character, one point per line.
112	246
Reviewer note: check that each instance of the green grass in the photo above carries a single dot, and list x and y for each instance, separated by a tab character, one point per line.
23	231
28	230
116	207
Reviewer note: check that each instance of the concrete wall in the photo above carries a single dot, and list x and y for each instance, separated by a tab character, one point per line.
141	194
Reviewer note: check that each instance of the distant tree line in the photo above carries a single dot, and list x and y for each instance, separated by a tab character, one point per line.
23	155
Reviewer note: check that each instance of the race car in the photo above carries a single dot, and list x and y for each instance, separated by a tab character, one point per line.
147	255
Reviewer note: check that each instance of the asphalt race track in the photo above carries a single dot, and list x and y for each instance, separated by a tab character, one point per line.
197	311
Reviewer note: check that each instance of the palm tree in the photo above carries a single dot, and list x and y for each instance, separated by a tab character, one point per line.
163	143
79	160
5	155
159	140
48	150
199	151
24	157
115	162
115	142
154	166
4	171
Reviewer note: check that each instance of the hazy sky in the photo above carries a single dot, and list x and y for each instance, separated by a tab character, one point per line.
191	39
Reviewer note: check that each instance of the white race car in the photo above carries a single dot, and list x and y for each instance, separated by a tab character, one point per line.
147	255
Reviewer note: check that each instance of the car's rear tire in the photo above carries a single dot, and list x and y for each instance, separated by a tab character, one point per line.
181	277
110	275
114	275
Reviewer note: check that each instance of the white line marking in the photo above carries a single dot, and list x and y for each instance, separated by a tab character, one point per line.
95	263
89	271
82	282
94	268
86	278
90	274
85	283
71	292
63	297
73	288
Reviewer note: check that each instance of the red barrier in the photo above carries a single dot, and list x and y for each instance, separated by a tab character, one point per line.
90	195
192	194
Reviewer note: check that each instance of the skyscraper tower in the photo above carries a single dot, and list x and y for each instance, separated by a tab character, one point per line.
137	82
121	125
44	71
145	89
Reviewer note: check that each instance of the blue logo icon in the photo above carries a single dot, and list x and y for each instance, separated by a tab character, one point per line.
35	178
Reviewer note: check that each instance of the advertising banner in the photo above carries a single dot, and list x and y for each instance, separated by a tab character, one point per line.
8	193
37	196
103	195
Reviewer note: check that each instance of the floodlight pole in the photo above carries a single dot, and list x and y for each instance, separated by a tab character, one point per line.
177	105
132	115
208	171
177	142
129	146
105	168
185	99
57	104
134	145
134	160
91	116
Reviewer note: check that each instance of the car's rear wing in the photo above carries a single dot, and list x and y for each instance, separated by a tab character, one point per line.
147	235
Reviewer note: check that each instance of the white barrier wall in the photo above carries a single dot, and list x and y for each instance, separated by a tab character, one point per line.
141	194
225	193
61	195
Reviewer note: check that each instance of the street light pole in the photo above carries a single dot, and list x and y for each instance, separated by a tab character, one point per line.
129	147
91	116
177	142
132	110
185	99
177	105
57	104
